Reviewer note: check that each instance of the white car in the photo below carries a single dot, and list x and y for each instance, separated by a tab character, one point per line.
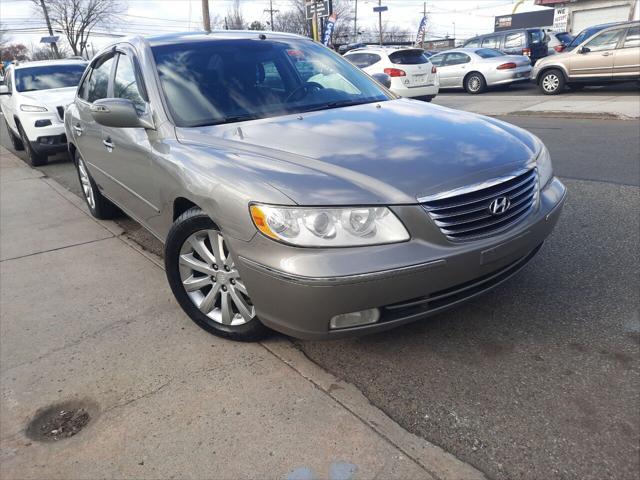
412	74
33	99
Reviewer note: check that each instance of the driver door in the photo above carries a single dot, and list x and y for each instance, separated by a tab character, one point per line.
595	58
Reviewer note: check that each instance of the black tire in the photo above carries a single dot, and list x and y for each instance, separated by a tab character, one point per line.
102	208
34	158
16	142
425	98
190	222
474	83
551	82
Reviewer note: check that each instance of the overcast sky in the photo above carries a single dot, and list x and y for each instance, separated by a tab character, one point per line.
148	17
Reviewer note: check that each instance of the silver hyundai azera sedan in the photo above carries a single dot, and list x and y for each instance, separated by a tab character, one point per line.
294	192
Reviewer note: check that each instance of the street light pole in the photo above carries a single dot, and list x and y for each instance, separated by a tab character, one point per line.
380	20
54	45
355	24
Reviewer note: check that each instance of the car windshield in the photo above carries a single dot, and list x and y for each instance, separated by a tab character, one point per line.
489	53
583	35
211	82
49	76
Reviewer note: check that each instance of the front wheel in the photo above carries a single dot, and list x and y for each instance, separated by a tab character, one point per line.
204	278
552	82
34	158
99	206
16	142
475	83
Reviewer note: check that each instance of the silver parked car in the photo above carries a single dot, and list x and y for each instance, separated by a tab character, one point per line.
475	69
294	192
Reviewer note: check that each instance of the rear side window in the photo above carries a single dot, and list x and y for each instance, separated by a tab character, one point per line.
437	60
536	36
99	81
457	58
633	37
363	60
489	53
514	40
491	42
408	57
564	37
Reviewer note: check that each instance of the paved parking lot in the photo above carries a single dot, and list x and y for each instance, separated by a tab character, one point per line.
540	378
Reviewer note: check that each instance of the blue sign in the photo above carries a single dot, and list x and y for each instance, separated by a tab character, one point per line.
328	29
380	9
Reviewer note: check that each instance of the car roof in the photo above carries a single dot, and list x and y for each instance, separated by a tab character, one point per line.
463	50
383	49
166	39
44	63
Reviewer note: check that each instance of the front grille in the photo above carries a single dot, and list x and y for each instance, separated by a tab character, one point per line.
441	299
60	112
466	216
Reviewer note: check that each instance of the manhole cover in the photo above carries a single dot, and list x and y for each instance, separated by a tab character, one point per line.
60	421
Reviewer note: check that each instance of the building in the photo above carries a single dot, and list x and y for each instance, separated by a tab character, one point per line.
575	15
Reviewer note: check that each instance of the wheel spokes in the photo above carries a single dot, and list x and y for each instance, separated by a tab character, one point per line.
209	301
189	261
192	283
201	248
243	307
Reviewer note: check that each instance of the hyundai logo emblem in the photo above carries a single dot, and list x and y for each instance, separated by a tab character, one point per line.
499	205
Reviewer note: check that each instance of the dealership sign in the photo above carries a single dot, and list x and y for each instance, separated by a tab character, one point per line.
317	7
560	17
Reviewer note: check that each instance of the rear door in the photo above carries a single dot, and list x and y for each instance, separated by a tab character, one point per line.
597	59
626	59
454	68
537	44
416	65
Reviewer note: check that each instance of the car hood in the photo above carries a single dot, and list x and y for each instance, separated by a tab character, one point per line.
55	97
392	152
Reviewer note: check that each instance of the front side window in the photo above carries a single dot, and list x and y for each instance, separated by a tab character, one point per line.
489	53
582	36
457	58
633	37
47	77
605	41
491	42
99	81
514	40
210	82
125	84
473	43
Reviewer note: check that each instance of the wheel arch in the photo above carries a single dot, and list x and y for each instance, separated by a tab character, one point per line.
545	69
468	74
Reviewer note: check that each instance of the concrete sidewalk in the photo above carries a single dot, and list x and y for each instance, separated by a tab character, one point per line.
88	317
570	105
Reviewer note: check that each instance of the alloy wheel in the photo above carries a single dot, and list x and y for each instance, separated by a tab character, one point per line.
550	82
87	188
212	281
474	84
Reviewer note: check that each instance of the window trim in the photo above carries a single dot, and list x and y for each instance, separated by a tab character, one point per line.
604	32
89	72
137	71
624	39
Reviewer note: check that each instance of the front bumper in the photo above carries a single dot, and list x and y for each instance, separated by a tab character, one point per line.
45	140
297	291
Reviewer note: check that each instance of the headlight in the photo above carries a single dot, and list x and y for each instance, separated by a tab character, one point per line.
545	169
32	108
329	227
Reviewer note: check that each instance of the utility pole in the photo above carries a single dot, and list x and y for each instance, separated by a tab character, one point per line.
271	12
380	21
206	19
54	45
355	24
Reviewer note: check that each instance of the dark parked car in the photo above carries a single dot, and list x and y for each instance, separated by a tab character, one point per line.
531	42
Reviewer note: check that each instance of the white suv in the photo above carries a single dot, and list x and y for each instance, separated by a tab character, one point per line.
33	99
412	74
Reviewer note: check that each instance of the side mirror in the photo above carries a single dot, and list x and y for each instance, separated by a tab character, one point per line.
4	90
584	50
119	113
382	78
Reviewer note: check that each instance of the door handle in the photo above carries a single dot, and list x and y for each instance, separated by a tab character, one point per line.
606	54
78	129
107	143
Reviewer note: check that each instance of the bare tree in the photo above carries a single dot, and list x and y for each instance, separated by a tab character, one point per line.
234	19
390	34
77	18
293	20
45	53
14	51
256	25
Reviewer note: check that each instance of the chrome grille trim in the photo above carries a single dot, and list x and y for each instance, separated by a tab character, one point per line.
464	215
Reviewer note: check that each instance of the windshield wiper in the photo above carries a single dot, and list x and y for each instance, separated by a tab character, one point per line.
229	119
337	104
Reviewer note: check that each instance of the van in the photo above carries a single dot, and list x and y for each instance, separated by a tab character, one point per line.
531	42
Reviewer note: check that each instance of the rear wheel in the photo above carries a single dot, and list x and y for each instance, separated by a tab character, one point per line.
425	98
16	142
204	278
34	158
551	82
475	83
99	206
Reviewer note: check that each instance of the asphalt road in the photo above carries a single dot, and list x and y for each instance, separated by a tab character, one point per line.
530	88
540	378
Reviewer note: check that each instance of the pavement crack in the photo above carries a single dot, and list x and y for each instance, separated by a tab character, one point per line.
58	248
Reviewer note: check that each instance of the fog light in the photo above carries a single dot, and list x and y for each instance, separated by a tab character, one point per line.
43	123
346	320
